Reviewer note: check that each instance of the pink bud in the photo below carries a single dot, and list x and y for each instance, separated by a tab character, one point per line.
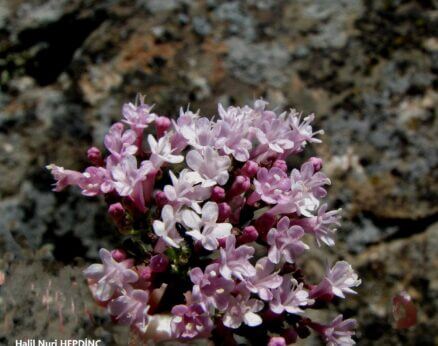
159	263
240	185
145	273
290	335
161	199
317	163
162	124
95	156
119	255
404	311
117	213
224	211
264	223
217	194
280	164
277	341
249	169
249	234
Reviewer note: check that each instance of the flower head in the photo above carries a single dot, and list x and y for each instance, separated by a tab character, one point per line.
120	142
162	151
265	280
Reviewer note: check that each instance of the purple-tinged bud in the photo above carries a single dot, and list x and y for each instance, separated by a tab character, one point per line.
277	341
161	199
162	124
240	185
95	156
224	211
145	273
119	255
249	169
222	242
317	163
264	223
280	164
159	263
290	335
117	213
249	234
217	194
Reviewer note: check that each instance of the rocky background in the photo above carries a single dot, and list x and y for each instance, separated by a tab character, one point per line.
367	68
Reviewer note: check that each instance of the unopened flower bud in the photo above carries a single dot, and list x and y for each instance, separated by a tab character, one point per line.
95	156
277	341
217	194
250	169
161	199
249	234
240	185
290	335
317	163
280	164
264	223
159	263
162	124
145	273
117	213
119	255
224	211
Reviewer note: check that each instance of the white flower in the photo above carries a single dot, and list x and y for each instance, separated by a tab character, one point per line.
212	167
165	228
162	151
185	192
211	231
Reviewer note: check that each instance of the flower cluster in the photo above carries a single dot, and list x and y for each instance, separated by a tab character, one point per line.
214	225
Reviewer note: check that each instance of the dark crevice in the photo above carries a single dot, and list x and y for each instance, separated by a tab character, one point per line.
405	227
59	41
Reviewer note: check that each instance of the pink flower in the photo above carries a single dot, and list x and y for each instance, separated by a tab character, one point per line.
212	167
271	185
242	309
235	261
339	332
64	177
110	275
211	287
338	280
264	280
191	321
302	131
211	231
95	181
184	190
277	341
231	138
162	151
309	185
321	225
131	308
200	134
138	116
285	242
165	228
290	297
127	177
120	143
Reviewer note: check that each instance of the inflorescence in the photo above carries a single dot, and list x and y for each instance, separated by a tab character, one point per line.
213	224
